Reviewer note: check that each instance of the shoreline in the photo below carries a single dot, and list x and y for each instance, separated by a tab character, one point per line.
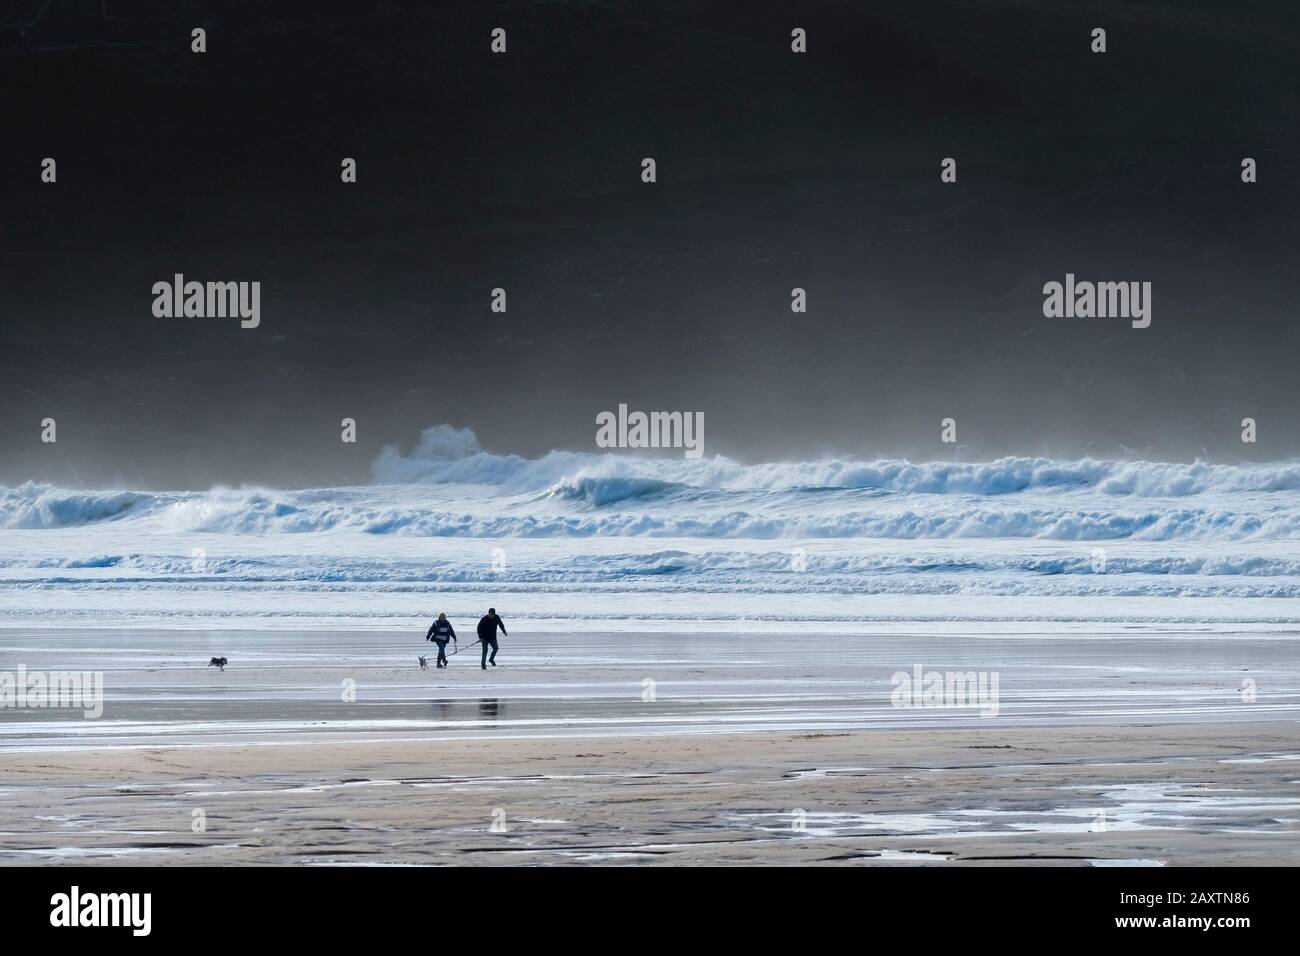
331	687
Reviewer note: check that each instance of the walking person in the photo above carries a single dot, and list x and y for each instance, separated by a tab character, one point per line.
440	633
487	633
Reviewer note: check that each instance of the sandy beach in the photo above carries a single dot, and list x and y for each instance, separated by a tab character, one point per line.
1179	795
1104	751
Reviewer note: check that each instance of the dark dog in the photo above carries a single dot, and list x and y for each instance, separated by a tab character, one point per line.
424	663
218	662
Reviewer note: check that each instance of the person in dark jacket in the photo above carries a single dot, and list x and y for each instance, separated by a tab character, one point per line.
487	634
440	633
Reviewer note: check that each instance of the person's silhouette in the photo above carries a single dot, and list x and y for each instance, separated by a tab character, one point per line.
440	633
487	635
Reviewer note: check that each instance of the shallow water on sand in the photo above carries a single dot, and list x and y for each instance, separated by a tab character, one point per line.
293	686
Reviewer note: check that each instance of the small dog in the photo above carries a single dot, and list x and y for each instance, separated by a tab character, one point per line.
424	663
219	663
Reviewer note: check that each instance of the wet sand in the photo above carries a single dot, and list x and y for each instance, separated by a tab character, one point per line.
1176	795
282	686
1105	750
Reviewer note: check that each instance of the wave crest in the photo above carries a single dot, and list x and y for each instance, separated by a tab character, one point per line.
449	486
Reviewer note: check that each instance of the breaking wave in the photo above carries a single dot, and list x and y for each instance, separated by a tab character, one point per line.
448	486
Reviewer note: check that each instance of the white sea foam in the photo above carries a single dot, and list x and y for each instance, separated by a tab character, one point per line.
608	525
